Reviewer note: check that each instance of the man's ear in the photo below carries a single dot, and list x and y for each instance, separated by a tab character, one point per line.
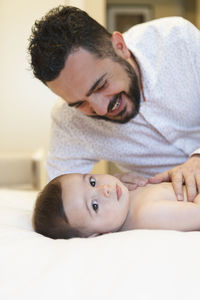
119	45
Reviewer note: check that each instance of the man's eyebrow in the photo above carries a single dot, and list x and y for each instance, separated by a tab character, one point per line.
91	90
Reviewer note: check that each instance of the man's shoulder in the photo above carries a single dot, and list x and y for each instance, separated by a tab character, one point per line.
60	109
157	28
63	114
173	21
161	23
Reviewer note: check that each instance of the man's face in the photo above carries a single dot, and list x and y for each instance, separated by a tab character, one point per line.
101	88
94	204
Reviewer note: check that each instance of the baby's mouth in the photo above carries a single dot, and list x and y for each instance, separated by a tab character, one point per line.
118	192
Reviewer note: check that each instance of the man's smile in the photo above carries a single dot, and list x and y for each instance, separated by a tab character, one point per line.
116	105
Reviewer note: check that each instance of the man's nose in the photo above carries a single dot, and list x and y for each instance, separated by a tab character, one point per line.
99	104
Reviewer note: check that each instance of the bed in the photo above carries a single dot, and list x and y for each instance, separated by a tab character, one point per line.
139	265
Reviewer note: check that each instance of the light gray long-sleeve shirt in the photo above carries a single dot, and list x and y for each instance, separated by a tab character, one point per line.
167	129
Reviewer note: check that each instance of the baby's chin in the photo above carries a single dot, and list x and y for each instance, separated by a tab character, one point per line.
127	195
125	192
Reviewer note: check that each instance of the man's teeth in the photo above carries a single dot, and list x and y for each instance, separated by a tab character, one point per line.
117	104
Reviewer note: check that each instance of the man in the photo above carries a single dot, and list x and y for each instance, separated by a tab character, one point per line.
133	99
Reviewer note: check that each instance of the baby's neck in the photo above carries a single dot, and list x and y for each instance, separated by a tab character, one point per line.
133	195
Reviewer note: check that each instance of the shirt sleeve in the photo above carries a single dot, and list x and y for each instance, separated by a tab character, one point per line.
68	152
193	34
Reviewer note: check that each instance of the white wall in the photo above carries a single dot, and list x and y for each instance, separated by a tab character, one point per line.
25	103
95	8
198	13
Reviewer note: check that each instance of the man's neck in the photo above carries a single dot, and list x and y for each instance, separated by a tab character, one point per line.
134	63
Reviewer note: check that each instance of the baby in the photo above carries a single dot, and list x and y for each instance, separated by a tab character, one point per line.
86	205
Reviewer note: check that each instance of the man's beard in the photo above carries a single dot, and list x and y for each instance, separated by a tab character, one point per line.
133	96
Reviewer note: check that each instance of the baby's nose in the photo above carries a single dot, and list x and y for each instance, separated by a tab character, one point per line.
105	190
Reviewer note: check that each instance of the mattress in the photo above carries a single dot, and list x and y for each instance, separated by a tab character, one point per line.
137	264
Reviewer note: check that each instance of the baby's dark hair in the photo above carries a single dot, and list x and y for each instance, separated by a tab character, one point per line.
61	32
49	217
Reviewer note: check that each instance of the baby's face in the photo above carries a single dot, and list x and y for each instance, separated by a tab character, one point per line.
94	204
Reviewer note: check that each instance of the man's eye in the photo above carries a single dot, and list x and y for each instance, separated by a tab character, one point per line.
102	86
79	104
92	181
95	205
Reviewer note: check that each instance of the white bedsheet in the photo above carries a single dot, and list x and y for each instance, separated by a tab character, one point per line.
139	265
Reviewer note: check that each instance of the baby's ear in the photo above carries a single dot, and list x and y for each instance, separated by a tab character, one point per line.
94	234
98	234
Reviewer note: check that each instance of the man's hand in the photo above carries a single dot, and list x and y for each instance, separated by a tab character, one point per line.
187	173
131	180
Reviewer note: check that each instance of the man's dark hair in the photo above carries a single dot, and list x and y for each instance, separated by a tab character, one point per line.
49	217
61	32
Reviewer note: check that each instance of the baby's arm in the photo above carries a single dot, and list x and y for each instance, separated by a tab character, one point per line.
172	215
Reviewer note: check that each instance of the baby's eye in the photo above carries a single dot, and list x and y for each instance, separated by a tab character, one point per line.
92	181
95	205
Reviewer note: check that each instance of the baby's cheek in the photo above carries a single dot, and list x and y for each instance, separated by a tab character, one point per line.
125	210
197	199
